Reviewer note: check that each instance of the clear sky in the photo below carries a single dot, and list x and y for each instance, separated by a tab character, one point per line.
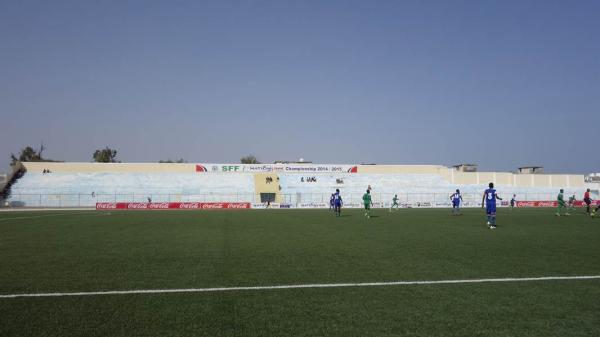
498	83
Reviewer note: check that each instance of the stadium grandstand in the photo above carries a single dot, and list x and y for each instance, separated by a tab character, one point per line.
294	185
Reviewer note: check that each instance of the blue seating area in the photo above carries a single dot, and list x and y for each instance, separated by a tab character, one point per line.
85	189
425	188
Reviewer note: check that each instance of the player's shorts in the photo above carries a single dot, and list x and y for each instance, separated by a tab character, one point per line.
395	204
338	204
512	203
490	209
367	206
455	203
587	201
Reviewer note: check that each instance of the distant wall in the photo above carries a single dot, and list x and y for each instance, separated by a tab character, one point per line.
398	169
3	181
512	179
39	167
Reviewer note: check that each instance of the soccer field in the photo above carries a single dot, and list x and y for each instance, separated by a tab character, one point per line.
342	267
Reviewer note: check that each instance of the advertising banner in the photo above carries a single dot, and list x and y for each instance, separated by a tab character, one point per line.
247	205
313	205
276	168
578	203
170	205
264	205
273	205
537	203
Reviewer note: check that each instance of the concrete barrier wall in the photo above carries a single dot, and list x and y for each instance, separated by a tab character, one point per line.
399	169
39	167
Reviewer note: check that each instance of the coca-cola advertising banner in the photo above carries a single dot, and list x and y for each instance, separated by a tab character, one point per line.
581	203
171	205
537	203
577	203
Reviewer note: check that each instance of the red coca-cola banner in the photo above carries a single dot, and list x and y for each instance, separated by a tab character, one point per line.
578	203
537	203
171	205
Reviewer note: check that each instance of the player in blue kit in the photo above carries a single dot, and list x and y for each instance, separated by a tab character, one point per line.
331	202
456	200
489	199
337	202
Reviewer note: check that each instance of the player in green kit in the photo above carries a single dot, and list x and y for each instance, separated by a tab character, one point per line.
395	202
572	203
367	201
561	203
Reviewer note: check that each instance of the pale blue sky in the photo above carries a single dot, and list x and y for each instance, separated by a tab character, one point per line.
498	83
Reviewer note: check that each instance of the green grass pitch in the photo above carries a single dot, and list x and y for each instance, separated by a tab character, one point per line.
62	251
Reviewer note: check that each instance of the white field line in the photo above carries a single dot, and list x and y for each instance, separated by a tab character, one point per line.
49	215
301	286
45	209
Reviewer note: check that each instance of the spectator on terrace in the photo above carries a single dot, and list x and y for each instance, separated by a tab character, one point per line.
93	194
149	199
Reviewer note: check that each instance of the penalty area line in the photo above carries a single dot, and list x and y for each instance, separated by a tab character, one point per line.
301	286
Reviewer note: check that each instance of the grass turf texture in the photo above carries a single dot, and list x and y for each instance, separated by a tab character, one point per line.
96	251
